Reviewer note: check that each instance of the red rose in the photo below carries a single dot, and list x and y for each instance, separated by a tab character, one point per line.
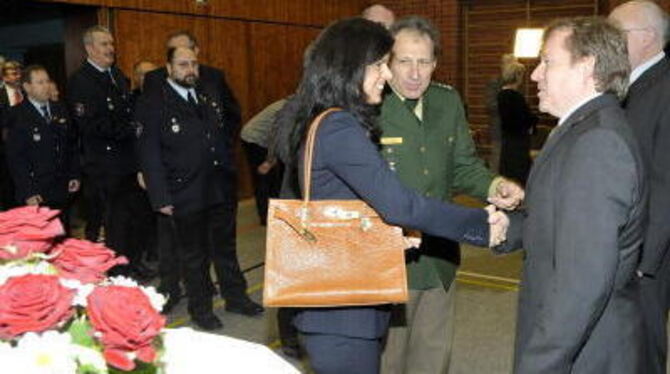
27	230
33	303
85	261
126	323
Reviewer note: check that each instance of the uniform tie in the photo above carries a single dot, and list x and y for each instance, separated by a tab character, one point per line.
193	103
45	113
18	97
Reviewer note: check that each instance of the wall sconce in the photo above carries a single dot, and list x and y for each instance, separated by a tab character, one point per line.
527	42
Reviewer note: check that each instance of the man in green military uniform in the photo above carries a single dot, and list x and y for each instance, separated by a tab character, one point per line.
425	139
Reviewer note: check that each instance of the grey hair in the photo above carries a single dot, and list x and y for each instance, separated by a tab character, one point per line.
87	38
421	26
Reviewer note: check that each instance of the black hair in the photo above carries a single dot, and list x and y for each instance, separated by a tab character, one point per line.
333	73
189	35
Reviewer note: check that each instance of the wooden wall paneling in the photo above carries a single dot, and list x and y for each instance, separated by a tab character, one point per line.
276	61
299	12
489	33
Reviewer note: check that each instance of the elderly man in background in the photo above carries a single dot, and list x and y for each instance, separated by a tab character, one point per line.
645	25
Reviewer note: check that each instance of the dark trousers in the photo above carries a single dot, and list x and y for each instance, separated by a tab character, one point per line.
7	198
119	194
219	222
265	185
655	296
337	354
93	208
190	247
222	246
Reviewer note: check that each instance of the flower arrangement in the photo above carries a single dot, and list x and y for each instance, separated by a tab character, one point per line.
60	314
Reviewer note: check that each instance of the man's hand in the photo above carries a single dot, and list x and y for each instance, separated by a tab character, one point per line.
507	195
34	200
167	210
265	167
73	185
499	222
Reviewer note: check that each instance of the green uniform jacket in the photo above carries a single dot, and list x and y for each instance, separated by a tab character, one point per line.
435	157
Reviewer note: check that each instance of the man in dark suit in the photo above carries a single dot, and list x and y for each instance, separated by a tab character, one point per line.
10	95
42	147
584	221
99	99
185	159
645	25
223	252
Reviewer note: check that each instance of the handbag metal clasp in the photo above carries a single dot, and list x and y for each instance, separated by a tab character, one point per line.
338	213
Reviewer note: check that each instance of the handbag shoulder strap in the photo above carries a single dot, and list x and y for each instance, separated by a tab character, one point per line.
309	151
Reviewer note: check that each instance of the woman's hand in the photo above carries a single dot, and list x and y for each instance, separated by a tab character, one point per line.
499	222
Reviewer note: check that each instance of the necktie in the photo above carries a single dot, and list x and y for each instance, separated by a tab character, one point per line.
111	77
45	113
18	97
194	105
411	104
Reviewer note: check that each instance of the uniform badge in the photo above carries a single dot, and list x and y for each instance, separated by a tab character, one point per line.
175	128
79	109
37	137
139	128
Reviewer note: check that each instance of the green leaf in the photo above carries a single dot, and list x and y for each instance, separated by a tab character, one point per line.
80	331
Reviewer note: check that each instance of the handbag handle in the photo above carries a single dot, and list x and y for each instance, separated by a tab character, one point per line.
309	152
307	173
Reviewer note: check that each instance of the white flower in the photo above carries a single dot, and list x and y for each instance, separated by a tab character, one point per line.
83	290
91	357
19	268
155	298
120	280
49	353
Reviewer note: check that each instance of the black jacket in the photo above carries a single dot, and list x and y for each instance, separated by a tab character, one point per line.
102	113
648	113
42	155
185	153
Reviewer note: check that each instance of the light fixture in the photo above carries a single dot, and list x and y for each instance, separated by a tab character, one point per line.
527	42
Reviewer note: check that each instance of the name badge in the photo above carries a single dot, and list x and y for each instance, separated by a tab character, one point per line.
391	141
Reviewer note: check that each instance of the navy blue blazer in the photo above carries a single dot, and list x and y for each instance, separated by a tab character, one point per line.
347	165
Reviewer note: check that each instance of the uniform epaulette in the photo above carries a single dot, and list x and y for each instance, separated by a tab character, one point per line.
442	85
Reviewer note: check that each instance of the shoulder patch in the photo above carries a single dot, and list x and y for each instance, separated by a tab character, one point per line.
443	85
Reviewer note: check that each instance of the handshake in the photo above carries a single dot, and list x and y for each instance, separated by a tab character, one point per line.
507	195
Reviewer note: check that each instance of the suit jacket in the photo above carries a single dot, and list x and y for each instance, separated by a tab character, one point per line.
213	82
582	231
102	113
648	113
42	155
184	152
347	166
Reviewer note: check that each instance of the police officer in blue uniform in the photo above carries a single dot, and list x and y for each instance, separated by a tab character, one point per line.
100	101
42	147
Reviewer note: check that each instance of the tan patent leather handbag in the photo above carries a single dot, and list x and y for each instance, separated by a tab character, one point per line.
329	253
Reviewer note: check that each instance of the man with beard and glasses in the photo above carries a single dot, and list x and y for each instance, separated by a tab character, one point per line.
185	157
99	99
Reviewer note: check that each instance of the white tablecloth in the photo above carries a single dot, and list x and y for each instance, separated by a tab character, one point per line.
189	352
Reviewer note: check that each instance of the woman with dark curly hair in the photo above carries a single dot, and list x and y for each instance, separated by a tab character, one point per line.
346	67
